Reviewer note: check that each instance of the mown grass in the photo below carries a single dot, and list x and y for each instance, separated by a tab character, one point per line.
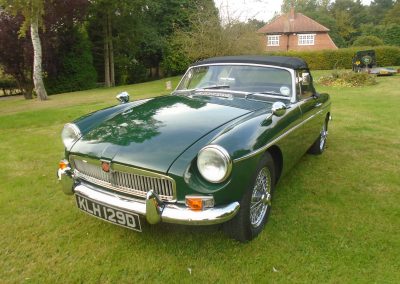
335	217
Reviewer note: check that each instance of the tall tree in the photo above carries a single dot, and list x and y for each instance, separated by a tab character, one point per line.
378	9
393	15
32	11
16	53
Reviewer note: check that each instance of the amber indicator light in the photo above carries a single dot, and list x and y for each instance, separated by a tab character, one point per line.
62	165
194	203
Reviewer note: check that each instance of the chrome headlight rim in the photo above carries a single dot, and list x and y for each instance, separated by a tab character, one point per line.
76	131
224	155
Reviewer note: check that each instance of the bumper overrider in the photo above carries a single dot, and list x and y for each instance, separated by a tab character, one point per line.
152	208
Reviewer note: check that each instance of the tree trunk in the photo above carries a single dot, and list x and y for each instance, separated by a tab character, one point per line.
37	57
111	51
107	81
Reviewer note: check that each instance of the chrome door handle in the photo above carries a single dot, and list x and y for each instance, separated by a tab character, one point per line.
318	104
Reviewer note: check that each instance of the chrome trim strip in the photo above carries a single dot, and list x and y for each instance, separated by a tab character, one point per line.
124	179
171	213
262	149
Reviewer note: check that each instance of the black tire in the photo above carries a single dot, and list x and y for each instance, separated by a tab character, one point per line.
320	144
245	226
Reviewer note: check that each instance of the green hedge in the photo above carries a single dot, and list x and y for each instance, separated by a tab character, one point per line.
6	83
342	58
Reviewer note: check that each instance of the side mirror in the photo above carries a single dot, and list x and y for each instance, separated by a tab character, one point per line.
305	79
123	97
278	108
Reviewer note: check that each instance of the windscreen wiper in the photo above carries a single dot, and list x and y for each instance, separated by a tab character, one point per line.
263	93
214	87
260	95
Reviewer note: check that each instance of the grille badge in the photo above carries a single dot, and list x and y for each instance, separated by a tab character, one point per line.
105	166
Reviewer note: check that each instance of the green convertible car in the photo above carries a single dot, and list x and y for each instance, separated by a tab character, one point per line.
209	153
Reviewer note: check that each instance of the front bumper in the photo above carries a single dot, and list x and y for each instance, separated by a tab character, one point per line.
153	209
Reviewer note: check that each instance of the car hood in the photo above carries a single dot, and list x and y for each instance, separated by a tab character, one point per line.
153	134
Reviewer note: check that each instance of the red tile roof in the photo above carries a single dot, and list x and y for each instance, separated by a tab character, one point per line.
292	23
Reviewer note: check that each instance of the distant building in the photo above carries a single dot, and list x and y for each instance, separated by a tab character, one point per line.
295	31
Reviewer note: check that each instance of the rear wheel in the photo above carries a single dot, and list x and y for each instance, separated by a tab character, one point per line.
255	205
319	145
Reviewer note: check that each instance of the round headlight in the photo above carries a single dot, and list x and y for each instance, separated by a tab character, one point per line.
70	134
214	163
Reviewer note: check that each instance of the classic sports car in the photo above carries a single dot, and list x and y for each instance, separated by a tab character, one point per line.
209	153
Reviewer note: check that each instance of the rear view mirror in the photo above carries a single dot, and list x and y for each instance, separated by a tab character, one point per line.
305	79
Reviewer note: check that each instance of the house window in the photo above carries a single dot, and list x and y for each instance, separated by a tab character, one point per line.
273	40
306	39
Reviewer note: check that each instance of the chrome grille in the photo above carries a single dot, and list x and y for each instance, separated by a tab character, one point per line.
125	179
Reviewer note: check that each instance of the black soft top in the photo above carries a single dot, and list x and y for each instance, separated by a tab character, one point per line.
282	61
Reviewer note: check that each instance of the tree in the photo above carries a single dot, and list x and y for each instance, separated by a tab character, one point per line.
256	23
392	16
67	60
378	9
32	11
16	54
208	38
392	34
300	5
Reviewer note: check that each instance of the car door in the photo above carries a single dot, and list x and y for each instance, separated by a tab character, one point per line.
310	105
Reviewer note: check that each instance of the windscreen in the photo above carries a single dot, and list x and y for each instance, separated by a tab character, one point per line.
245	78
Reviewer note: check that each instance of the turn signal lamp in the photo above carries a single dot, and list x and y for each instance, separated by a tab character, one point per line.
63	164
199	202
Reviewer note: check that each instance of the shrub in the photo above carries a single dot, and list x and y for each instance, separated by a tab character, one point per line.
76	71
6	83
342	58
368	41
347	79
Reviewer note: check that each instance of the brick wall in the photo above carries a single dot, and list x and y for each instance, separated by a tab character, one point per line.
321	41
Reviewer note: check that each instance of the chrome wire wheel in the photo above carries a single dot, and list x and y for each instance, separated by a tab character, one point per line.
260	197
324	136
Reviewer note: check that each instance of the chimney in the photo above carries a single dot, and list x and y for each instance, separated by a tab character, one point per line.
291	13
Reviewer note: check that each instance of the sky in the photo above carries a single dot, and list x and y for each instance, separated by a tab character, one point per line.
262	10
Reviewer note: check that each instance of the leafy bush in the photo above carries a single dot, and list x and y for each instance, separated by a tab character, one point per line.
76	71
6	83
368	41
342	58
347	79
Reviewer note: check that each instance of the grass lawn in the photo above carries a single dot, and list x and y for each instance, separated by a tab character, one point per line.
335	217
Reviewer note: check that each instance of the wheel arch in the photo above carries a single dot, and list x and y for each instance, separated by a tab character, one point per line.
277	157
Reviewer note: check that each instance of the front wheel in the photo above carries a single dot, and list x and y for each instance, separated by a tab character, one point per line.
319	145
255	205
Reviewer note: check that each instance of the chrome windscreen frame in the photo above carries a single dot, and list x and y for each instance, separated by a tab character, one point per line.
292	98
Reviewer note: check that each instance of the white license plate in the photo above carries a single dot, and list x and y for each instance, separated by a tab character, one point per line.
113	215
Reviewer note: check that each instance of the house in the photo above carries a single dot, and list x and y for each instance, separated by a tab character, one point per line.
295	31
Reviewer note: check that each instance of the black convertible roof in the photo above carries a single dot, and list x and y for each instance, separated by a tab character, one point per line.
283	61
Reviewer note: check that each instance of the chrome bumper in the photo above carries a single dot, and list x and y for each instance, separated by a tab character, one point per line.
156	211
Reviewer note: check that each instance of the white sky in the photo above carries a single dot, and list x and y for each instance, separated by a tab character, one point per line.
247	9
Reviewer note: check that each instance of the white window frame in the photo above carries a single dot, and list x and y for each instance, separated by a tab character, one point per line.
273	40
306	39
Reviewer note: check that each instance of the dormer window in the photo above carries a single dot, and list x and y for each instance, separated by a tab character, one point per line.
306	39
273	40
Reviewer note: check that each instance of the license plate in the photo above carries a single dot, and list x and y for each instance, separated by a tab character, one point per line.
109	214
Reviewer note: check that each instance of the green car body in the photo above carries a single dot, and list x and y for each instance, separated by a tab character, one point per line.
162	137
